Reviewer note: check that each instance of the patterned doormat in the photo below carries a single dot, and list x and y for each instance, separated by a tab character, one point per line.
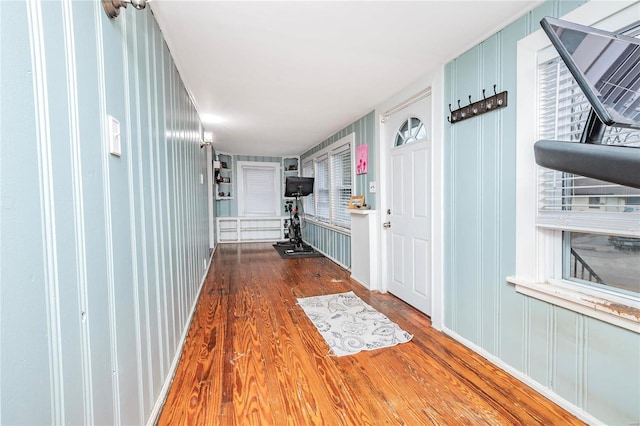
349	325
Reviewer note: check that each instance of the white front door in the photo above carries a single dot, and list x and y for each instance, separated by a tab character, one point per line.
407	135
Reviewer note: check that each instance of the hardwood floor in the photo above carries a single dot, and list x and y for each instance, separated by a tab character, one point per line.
252	357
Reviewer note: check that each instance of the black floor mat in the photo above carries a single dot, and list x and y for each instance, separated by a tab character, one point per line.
287	251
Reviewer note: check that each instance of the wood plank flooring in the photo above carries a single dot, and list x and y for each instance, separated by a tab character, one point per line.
252	357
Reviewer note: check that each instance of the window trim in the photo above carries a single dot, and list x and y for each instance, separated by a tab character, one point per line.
538	248
309	163
240	165
332	148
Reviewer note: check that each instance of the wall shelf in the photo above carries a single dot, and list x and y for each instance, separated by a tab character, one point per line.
251	229
290	167
223	176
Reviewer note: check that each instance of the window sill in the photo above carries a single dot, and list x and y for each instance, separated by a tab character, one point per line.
317	222
621	315
361	211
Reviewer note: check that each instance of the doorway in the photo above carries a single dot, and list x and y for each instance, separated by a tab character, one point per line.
407	135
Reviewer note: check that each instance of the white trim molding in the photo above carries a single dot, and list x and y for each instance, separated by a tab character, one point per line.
621	315
554	397
538	271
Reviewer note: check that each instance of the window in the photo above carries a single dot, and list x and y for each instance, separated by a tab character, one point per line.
589	258
258	189
332	170
610	262
321	190
341	186
411	130
557	215
308	202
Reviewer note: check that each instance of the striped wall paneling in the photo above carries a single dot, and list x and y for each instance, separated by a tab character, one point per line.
101	257
588	363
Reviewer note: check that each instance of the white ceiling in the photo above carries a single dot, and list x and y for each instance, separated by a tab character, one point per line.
282	76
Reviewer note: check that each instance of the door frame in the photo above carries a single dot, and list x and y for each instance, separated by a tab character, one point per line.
435	81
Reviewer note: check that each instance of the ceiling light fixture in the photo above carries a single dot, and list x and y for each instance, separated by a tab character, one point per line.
211	119
112	7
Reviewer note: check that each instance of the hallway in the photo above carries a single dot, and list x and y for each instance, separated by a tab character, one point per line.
253	357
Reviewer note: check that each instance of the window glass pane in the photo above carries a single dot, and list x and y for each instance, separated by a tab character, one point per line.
322	189
341	186
561	191
258	191
411	130
605	261
308	202
563	110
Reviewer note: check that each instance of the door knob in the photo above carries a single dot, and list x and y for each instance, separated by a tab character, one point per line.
386	225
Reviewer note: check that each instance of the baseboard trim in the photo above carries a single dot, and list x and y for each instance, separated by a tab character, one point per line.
328	257
546	392
164	392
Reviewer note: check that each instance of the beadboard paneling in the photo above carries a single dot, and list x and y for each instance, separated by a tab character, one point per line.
101	257
333	244
588	363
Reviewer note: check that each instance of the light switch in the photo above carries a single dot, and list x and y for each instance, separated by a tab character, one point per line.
201	179
372	187
115	146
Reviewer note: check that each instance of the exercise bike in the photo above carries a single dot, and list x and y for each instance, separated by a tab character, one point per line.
294	230
296	187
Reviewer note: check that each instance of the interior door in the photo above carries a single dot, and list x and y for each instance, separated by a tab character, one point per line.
407	134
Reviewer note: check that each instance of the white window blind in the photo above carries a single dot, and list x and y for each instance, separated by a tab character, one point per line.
340	186
308	202
573	202
322	189
259	190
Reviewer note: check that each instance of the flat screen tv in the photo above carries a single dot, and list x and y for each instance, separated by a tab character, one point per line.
298	186
605	65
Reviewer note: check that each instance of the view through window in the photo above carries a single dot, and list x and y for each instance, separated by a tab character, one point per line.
600	259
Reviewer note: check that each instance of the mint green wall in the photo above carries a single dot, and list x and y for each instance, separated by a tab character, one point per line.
229	208
592	364
365	133
101	257
335	244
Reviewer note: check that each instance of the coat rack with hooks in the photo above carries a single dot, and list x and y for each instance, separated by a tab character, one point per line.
473	109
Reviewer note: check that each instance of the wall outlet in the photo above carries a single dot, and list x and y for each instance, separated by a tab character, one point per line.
372	187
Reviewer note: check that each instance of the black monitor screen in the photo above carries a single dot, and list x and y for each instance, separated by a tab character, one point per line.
605	65
298	186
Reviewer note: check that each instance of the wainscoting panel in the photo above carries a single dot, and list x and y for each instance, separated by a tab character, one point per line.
335	245
101	257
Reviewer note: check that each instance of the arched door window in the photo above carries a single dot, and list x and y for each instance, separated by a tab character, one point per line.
411	130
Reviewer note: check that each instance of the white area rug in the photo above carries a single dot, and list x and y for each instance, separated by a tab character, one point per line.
349	325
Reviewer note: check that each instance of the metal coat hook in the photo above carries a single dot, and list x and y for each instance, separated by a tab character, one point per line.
494	102
112	7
